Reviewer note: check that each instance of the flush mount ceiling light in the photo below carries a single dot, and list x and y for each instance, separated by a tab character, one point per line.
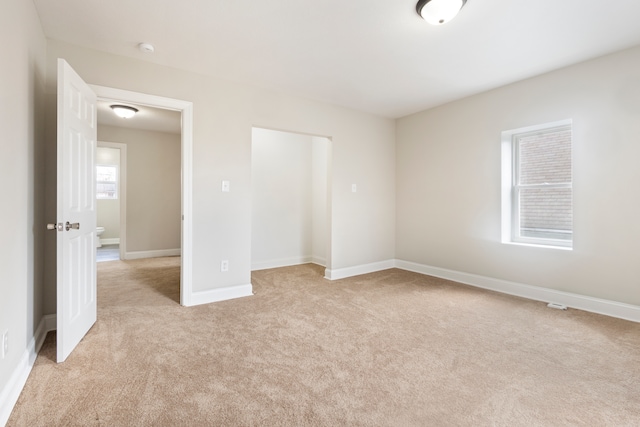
124	111
438	12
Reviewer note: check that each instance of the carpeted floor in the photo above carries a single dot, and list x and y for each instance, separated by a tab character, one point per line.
386	349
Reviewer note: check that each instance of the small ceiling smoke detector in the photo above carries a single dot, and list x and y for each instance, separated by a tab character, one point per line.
124	111
146	47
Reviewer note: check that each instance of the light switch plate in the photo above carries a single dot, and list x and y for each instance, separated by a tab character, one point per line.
4	345
226	186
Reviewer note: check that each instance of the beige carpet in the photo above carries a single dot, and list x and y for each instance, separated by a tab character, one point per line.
385	349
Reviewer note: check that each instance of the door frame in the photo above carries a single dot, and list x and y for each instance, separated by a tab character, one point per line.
110	94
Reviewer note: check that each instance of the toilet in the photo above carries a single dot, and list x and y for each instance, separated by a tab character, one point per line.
99	231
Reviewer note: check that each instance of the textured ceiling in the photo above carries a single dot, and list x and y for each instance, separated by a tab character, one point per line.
376	56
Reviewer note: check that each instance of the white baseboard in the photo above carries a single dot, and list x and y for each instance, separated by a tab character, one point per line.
11	392
152	254
221	294
581	302
319	261
50	323
287	262
342	273
277	263
112	241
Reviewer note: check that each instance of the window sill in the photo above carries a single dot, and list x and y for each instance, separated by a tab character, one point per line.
539	245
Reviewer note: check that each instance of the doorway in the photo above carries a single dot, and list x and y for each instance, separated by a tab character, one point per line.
185	109
111	190
290	199
149	225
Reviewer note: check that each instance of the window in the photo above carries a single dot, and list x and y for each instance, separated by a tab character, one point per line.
107	182
537	199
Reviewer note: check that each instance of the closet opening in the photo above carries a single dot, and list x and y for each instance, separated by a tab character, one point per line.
291	187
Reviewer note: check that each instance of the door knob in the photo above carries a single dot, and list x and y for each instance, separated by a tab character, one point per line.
54	227
68	226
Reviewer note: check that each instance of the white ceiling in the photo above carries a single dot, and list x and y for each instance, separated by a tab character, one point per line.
377	56
147	118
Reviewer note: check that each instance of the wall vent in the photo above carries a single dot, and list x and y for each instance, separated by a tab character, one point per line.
557	306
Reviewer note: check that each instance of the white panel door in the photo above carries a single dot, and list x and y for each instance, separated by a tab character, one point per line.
76	245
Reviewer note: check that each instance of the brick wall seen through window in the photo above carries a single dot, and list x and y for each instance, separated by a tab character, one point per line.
545	160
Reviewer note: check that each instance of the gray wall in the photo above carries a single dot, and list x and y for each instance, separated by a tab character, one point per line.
153	187
449	188
22	153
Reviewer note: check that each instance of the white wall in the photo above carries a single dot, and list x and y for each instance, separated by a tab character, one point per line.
153	187
363	152
108	215
288	199
22	79
281	199
448	180
319	208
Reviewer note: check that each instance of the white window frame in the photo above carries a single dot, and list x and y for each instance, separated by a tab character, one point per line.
117	182
510	188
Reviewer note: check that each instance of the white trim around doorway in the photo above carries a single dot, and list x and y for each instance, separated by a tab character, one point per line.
186	108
